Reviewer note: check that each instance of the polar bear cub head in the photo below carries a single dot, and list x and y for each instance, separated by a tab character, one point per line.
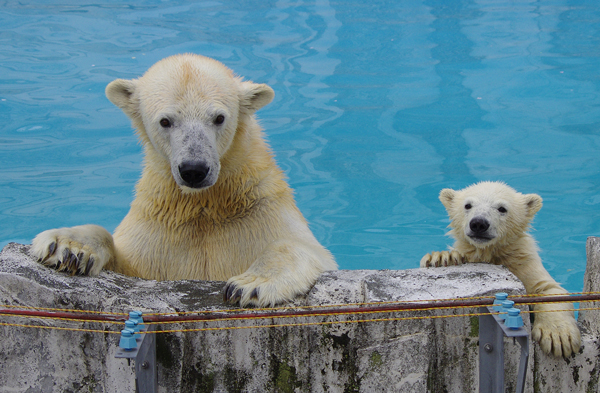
187	108
489	213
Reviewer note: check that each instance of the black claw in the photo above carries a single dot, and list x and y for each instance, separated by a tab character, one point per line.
230	291
51	249
63	263
71	262
254	294
79	269
68	261
238	295
74	264
225	292
89	266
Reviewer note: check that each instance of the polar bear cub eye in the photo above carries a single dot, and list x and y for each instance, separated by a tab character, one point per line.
165	123
468	206
502	209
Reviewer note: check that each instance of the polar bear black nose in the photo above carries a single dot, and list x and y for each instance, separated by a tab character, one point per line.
193	173
479	225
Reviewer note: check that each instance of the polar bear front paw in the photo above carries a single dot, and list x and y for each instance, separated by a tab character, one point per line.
250	289
83	250
442	258
284	270
557	333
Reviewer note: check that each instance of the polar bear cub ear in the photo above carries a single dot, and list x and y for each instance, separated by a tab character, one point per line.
533	203
254	96
447	197
120	92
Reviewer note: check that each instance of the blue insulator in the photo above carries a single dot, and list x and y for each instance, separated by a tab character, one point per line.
500	297
133	325
514	320
137	316
127	341
506	304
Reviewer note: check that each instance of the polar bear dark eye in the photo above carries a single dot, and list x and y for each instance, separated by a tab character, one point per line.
219	120
165	123
502	209
468	206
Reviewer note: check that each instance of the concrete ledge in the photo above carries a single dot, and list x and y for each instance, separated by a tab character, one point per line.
434	354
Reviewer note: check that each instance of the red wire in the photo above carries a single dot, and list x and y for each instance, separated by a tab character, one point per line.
249	314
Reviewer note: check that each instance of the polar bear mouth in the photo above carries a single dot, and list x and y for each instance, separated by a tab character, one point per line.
481	238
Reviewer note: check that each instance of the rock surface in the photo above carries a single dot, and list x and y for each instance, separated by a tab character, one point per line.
411	355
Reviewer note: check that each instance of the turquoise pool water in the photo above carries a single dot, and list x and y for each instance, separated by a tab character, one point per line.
378	107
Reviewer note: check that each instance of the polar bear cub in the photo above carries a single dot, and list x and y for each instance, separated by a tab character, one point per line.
489	222
211	203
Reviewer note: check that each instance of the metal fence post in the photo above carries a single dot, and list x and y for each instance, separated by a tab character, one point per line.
145	362
491	352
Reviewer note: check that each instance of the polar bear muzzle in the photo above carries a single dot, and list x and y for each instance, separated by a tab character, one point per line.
479	230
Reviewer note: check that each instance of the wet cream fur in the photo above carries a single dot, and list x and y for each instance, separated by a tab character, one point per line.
244	228
556	332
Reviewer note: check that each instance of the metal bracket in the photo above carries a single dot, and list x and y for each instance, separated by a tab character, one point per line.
491	352
146	376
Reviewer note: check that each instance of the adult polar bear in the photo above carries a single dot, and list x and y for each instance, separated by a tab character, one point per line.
489	222
211	203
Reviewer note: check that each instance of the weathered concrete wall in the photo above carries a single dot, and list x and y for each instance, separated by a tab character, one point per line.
420	355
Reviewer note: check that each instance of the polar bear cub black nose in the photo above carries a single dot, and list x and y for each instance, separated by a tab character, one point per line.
193	173
479	225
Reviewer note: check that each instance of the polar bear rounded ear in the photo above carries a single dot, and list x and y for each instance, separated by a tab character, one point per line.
447	197
254	96
533	203
120	92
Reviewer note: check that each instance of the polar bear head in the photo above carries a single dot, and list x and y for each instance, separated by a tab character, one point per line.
489	213
187	109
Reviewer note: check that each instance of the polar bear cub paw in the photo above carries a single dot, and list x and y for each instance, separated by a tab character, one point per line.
442	258
557	333
82	250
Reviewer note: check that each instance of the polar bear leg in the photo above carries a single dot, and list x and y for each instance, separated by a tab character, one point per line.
556	331
555	327
84	249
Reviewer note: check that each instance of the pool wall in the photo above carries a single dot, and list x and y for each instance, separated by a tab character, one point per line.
410	355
